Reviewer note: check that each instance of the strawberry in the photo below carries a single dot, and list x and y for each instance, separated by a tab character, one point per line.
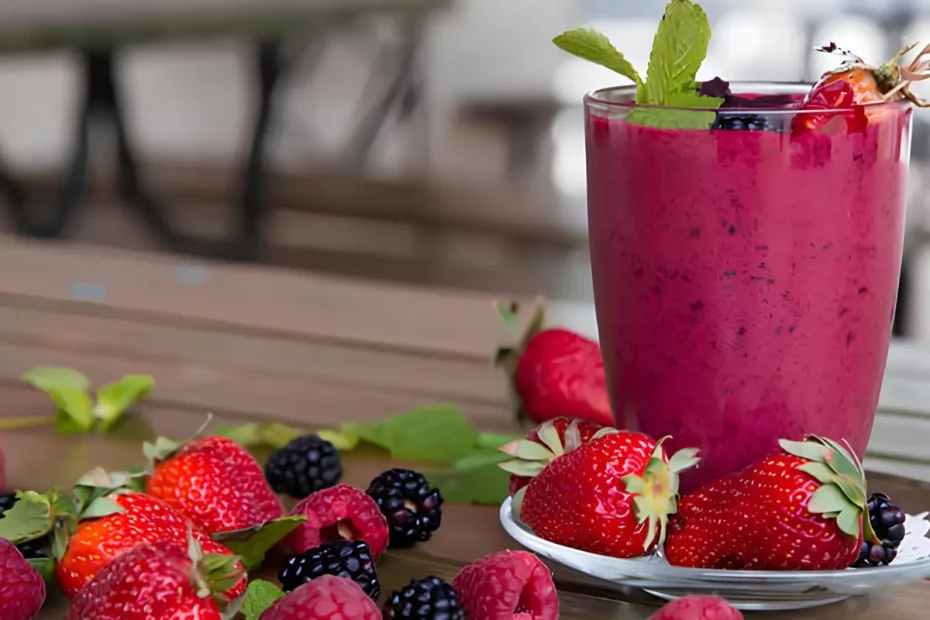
801	508
159	580
611	496
556	373
855	84
549	440
212	481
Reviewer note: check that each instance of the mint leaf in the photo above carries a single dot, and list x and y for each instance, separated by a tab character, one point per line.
269	435
30	518
593	46
114	399
253	543
259	596
678	49
495	440
474	479
437	433
45	566
670	118
68	388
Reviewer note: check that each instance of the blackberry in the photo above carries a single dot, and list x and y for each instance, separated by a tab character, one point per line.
743	122
426	599
412	507
351	559
888	524
31	549
305	465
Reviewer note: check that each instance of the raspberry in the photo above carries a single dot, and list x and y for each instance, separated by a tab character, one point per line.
506	585
322	599
426	599
22	589
697	608
343	558
412	507
341	512
305	465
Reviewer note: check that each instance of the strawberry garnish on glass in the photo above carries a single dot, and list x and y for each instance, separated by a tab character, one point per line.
856	84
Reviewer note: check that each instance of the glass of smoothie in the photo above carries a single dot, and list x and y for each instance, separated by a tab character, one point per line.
746	266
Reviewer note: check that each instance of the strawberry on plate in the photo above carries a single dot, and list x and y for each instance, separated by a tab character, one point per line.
165	580
556	373
212	481
801	508
611	496
546	442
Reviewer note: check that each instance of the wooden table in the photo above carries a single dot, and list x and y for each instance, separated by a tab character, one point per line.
253	343
98	30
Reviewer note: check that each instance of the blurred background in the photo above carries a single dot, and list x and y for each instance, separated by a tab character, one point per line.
329	194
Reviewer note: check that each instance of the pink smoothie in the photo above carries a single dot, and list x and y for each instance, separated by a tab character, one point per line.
745	282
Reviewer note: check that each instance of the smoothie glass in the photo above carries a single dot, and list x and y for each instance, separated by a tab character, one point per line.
745	281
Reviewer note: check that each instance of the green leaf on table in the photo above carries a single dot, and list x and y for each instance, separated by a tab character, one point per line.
493	441
253	543
30	518
437	433
115	398
268	435
475	479
259	596
45	567
678	49
68	388
593	46
341	440
674	118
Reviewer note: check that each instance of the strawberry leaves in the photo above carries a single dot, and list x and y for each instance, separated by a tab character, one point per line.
842	493
253	543
30	518
77	413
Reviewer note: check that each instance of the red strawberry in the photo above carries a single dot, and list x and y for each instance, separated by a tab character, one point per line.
509	585
551	439
698	608
324	598
22	589
341	512
556	373
855	84
142	520
800	509
161	580
214	482
611	496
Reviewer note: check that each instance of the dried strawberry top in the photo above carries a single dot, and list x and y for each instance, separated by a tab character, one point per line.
888	82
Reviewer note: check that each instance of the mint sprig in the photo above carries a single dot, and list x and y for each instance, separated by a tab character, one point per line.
77	412
678	50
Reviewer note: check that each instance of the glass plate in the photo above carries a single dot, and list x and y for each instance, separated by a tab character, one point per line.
745	590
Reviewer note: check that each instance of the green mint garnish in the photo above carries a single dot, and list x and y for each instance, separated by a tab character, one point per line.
259	596
678	49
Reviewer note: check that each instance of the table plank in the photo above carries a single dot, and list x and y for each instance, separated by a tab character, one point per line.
442	323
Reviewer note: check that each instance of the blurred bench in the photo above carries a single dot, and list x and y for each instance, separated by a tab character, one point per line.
100	29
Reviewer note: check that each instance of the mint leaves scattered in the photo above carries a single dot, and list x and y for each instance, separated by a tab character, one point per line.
678	49
253	543
77	412
259	596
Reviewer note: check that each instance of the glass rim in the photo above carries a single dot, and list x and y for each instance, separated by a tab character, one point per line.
596	97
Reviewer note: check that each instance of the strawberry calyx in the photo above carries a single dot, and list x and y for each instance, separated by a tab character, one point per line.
530	457
842	494
891	79
655	492
164	448
212	574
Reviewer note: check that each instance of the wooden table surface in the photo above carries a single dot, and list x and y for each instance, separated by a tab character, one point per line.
249	343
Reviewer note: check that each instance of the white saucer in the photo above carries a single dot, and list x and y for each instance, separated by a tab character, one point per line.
745	590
